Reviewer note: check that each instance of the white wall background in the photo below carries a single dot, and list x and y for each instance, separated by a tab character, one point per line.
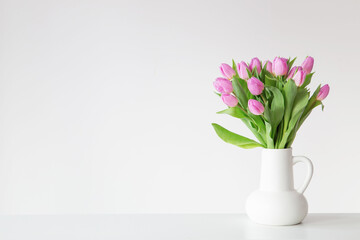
106	105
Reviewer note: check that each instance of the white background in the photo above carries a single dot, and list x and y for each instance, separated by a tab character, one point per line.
105	106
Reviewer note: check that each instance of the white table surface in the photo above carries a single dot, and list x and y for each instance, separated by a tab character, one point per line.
173	227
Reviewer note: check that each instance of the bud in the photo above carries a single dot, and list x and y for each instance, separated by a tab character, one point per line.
299	77
227	71
242	70
255	63
223	85
269	66
279	67
255	86
324	91
292	72
308	65
229	100
255	107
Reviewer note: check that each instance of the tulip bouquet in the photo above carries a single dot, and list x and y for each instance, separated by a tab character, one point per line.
271	98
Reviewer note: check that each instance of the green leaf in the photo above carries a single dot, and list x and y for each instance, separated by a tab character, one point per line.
235	68
235	139
269	139
234	112
278	134
307	80
218	94
313	98
249	72
243	84
292	136
291	63
263	72
239	113
289	91
234	65
270	80
239	93
267	111
312	103
300	102
307	112
254	129
258	122
275	111
256	73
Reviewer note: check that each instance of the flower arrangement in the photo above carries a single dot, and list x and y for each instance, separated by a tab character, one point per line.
271	98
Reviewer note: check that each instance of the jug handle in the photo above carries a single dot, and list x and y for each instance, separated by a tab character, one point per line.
310	169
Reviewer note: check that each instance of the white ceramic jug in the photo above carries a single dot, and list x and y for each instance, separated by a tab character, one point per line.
277	202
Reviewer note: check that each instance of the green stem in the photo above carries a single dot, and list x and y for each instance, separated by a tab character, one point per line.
262	97
242	109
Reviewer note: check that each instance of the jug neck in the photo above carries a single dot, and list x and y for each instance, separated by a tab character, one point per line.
276	170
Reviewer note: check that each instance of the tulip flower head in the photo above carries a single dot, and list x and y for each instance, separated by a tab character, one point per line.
242	70
284	59
255	63
255	86
279	67
255	107
324	91
308	65
223	85
299	77
227	71
269	66
229	99
293	71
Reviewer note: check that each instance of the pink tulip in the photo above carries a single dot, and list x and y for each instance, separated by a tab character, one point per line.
229	100
279	67
255	107
308	65
292	72
227	71
223	85
242	66
324	91
284	59
255	62
255	86
299	77
269	66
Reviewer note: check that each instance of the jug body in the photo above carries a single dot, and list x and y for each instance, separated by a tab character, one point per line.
276	202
